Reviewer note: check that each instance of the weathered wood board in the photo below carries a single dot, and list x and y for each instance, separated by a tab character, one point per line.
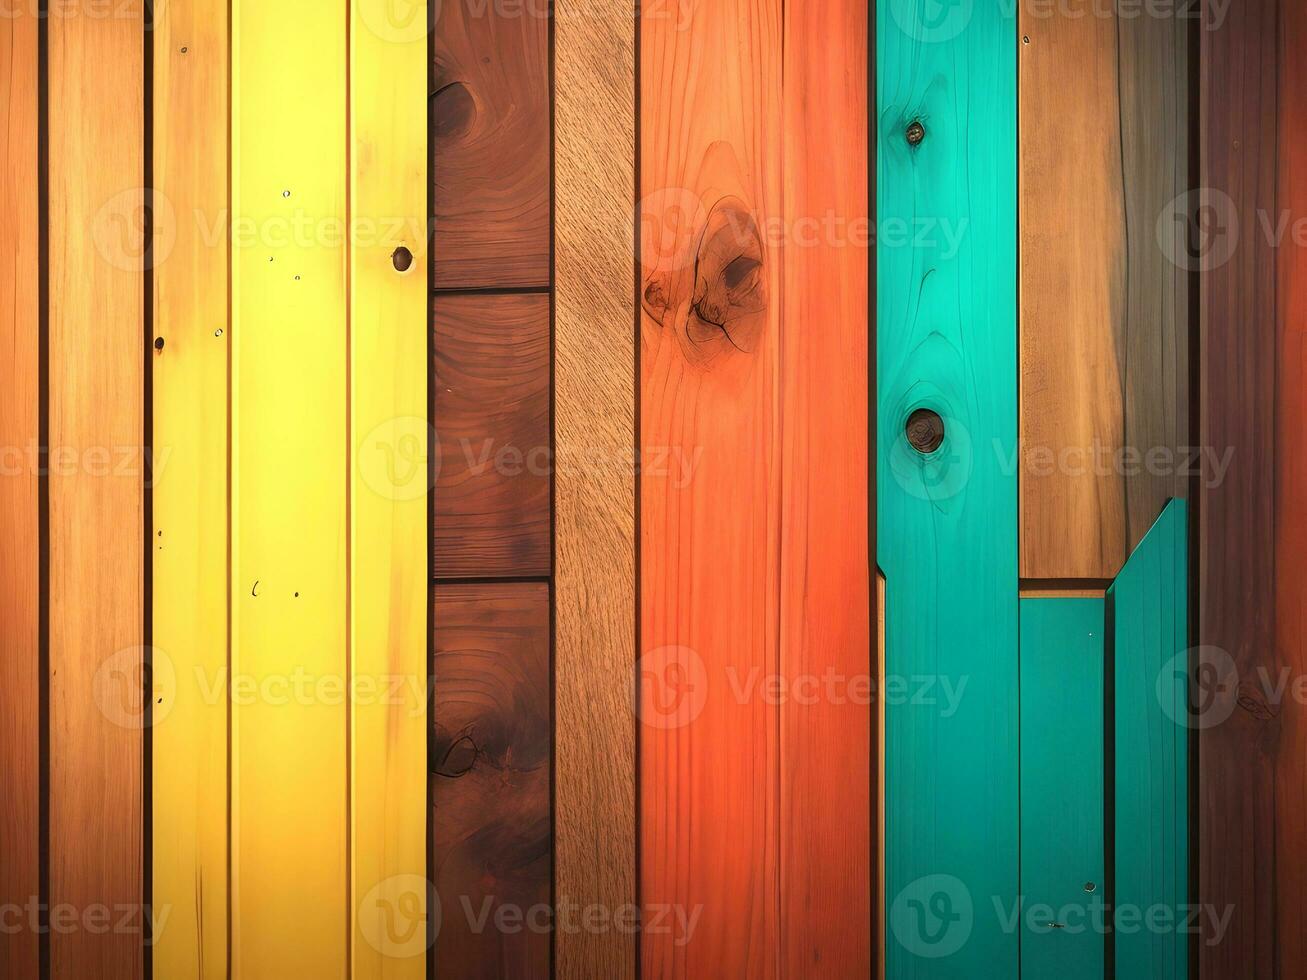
947	512
490	780
595	504
96	533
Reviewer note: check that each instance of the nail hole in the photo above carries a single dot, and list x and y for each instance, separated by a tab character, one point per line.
1025	38
158	343
184	50
285	193
402	259
218	332
925	430
1090	886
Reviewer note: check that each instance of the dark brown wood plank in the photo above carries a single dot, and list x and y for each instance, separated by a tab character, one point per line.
1236	533
490	128
20	522
490	762
492	423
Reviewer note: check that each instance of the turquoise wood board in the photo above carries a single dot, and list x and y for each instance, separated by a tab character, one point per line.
1063	912
947	519
1148	616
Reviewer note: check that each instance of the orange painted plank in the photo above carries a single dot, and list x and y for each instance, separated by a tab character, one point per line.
1290	515
826	830
20	531
710	178
97	354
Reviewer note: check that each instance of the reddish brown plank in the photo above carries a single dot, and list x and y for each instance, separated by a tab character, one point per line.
20	531
490	130
491	380
489	757
1290	514
96	532
1236	533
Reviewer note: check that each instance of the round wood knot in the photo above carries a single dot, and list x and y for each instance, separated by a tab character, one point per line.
916	132
401	259
925	430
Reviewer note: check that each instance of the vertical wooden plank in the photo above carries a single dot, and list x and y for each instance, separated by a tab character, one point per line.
388	571
947	516
1062	869
190	504
1148	611
710	285
1236	532
490	768
491	377
826	828
490	124
96	532
1104	292
594	489
290	789
20	518
1290	516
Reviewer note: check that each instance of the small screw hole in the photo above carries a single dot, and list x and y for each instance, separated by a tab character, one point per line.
402	259
158	343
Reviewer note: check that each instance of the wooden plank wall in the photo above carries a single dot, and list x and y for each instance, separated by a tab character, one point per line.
490	755
21	530
946	504
753	358
595	507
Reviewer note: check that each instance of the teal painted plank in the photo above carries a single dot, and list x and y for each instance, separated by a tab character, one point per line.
947	521
1062	789
1148	610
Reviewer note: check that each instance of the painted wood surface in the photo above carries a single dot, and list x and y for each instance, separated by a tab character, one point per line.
20	505
594	399
490	780
825	558
1147	609
1290	516
1062	841
491	378
947	519
1104	306
1237	804
96	516
389	483
710	177
290	468
490	123
190	509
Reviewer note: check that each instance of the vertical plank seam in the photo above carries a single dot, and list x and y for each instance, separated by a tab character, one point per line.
147	495
43	476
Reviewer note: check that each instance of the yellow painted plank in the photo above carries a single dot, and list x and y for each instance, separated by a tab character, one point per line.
290	712
389	436
96	530
191	321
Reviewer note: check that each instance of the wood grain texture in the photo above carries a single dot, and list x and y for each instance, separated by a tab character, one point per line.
1148	612
20	518
1104	350
490	775
711	151
491	127
1290	515
492	417
96	530
1237	808
389	577
947	519
594	405
826	824
1062	840
190	516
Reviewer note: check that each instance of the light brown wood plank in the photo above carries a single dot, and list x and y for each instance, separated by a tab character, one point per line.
490	127
594	394
20	527
491	380
97	356
489	759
